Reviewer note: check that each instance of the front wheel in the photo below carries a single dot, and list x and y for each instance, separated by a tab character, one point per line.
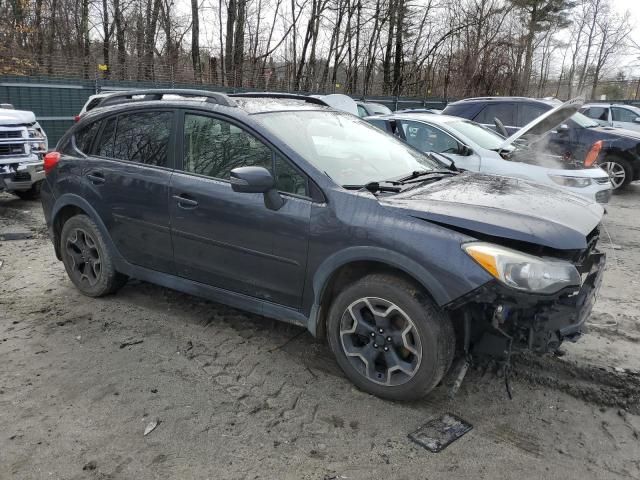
389	338
619	171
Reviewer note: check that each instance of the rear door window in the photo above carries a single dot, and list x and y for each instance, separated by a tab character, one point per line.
141	137
504	111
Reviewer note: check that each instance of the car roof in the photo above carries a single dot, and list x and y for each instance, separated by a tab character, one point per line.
418	116
231	104
622	105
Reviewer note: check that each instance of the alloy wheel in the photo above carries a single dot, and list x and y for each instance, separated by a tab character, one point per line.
84	254
380	341
616	173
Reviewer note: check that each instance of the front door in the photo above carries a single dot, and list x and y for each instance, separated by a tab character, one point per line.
128	178
231	240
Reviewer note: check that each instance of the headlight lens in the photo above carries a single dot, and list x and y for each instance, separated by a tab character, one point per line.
575	182
521	271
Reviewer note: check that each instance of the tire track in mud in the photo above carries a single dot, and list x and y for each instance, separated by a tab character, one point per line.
599	385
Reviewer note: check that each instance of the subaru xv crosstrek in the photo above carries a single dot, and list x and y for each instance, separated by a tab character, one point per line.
286	208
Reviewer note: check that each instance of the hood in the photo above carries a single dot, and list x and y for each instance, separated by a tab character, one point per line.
504	207
545	122
612	132
339	101
15	117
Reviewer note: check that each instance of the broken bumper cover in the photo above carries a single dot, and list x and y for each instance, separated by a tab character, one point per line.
565	319
504	319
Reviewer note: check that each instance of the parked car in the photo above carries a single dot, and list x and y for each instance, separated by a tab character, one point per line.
419	110
620	156
389	255
366	109
22	146
607	115
476	148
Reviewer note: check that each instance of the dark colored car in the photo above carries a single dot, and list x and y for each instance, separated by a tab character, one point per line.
620	152
285	208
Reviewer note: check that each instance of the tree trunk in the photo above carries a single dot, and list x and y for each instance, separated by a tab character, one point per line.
106	32
238	54
228	46
195	42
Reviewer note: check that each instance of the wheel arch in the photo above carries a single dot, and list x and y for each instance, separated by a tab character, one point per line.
353	263
69	205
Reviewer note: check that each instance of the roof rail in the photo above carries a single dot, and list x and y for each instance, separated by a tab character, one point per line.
158	93
290	96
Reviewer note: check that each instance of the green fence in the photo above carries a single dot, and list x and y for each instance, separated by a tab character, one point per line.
56	103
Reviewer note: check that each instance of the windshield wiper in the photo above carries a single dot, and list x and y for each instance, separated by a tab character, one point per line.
374	187
424	173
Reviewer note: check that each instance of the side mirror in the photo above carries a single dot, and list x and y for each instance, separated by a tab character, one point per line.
563	128
256	180
465	151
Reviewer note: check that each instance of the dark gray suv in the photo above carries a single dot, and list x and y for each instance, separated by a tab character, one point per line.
283	207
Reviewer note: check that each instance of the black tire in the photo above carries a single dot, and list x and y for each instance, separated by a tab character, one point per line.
87	259
612	164
32	194
435	337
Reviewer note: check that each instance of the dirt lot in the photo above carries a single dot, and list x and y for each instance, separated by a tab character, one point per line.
240	396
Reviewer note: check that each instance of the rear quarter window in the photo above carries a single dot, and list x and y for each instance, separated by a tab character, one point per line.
84	137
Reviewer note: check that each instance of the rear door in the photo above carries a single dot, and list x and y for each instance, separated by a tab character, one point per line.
232	240
127	181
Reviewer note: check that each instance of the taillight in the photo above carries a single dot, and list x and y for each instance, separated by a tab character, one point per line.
77	118
593	154
51	159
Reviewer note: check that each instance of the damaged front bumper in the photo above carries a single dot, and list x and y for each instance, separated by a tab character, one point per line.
502	320
21	174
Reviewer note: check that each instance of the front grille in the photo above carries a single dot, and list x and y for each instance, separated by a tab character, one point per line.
12	149
10	134
21	177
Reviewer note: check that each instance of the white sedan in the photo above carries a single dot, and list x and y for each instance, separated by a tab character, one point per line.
474	147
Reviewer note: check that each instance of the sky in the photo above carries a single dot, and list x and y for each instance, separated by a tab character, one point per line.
633	6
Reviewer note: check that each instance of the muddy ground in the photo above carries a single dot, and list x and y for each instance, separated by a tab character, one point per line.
240	396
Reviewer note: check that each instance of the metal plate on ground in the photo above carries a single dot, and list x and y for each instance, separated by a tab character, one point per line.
437	434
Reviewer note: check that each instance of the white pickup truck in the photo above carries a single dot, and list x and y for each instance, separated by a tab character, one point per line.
23	144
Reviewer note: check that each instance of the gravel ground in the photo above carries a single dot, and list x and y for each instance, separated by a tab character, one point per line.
239	396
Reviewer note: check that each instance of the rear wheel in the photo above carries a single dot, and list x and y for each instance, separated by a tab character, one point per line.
32	194
619	171
87	259
389	338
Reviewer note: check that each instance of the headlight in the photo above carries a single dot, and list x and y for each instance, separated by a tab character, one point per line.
521	271
575	182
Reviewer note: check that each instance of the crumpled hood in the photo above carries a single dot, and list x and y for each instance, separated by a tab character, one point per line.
503	207
15	117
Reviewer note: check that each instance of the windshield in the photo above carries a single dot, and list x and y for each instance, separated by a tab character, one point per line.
481	136
583	121
348	149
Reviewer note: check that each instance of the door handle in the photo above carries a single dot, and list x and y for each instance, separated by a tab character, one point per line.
184	202
96	178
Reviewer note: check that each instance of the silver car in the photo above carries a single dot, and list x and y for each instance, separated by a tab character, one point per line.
620	116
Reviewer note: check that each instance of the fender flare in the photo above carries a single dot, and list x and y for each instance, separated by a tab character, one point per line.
71	199
376	254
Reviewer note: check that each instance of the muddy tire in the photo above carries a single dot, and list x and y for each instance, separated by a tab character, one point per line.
619	171
389	337
32	194
87	259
